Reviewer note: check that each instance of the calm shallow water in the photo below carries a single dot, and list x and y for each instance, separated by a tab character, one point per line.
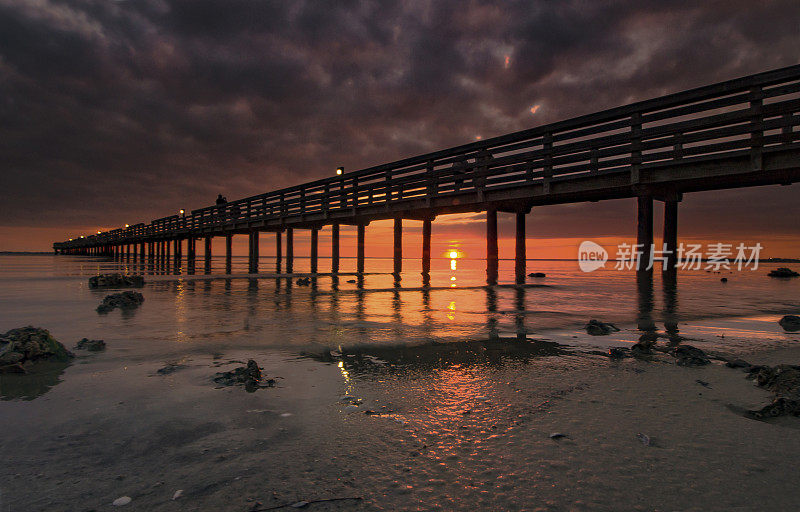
52	291
460	371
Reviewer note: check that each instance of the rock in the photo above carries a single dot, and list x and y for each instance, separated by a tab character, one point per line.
687	355
784	381
177	494
616	353
779	407
790	323
351	280
644	439
642	350
598	328
123	500
783	272
250	376
170	368
124	300
557	435
303	281
738	363
537	274
116	281
724	279
91	345
21	347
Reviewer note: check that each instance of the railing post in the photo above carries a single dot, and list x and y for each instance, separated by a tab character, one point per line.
757	127
547	168
636	146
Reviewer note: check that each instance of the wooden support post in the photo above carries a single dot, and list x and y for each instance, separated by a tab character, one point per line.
426	246
519	260
278	251
228	253
141	251
335	248
670	242
644	238
253	245
289	250
398	245
491	247
361	232
207	255
314	249
178	251
166	250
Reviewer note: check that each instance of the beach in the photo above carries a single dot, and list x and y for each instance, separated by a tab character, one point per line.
386	400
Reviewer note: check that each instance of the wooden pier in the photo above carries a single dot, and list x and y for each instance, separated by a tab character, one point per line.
739	133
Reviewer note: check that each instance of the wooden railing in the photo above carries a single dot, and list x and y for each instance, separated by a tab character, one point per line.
749	115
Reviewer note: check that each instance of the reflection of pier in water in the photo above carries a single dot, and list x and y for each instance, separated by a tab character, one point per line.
425	311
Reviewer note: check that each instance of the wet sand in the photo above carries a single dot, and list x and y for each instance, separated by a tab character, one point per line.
453	434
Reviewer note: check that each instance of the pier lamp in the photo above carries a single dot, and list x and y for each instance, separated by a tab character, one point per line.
181	212
126	226
98	232
339	171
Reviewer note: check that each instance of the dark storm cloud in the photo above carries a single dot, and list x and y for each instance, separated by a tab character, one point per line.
122	111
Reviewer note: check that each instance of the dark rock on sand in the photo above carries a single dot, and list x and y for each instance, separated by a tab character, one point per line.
784	381
616	353
598	328
250	376
351	280
783	272
790	323
724	279
20	348
116	281
642	350
738	363
303	281
537	274
170	368
91	345
687	355
124	300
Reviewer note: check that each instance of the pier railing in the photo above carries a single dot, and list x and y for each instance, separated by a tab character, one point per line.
747	116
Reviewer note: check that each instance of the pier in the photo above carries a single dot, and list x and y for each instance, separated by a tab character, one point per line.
738	133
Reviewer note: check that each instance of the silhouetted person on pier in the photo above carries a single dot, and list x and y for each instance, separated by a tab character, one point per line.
221	200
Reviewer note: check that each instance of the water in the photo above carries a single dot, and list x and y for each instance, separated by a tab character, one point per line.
237	311
457	372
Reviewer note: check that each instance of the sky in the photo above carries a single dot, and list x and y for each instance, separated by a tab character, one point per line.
115	112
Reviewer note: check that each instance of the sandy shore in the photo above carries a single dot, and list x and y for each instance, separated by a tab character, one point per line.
468	435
